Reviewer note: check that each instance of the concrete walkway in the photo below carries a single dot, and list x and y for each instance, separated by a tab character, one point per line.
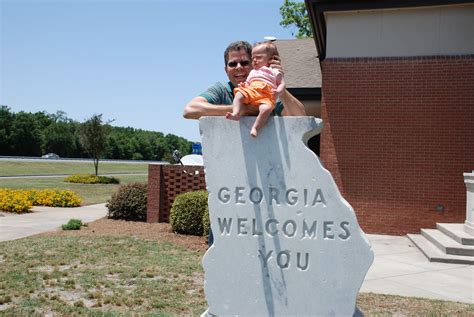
42	219
399	267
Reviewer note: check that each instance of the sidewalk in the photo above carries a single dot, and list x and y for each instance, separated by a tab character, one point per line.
42	219
399	267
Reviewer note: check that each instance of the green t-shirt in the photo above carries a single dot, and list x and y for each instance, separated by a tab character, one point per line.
223	94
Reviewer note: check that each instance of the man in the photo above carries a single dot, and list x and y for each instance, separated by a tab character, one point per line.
217	100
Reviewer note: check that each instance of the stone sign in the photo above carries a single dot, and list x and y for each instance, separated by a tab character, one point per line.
285	240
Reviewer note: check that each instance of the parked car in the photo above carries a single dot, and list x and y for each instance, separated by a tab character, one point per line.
50	156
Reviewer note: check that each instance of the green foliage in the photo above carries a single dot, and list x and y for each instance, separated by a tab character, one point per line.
128	203
6	120
206	223
91	179
73	224
295	14
35	134
60	136
144	145
187	213
93	136
26	132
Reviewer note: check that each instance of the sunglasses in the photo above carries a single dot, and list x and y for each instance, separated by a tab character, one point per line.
242	63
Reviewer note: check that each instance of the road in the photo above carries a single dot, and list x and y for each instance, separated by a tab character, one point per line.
80	160
65	175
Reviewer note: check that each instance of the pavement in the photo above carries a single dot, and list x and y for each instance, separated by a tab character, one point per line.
399	267
43	219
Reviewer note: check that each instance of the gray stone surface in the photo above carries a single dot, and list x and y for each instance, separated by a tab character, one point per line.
469	223
286	241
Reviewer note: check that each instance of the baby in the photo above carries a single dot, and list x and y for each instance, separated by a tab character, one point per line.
262	87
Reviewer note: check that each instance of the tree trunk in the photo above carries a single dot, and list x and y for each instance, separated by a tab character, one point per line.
96	166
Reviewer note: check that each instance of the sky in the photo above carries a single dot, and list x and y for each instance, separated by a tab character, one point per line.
137	62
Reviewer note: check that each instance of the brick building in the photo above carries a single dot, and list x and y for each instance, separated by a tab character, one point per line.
398	107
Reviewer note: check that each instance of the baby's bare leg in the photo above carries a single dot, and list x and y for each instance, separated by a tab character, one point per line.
265	110
236	107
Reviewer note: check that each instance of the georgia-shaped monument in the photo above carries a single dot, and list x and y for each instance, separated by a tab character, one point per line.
285	241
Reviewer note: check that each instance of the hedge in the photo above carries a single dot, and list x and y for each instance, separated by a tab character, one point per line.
190	214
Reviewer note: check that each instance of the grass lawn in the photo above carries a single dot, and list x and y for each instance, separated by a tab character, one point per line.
105	276
90	193
19	167
128	276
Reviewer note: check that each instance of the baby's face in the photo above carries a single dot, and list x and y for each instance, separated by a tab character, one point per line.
260	57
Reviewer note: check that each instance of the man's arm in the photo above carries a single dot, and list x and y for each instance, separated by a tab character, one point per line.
199	107
291	105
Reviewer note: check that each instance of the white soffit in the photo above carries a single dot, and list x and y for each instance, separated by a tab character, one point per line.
441	30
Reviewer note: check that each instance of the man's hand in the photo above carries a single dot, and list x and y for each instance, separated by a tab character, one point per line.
276	64
279	91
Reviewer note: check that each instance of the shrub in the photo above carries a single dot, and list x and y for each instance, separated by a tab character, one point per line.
108	180
73	224
19	200
206	222
128	203
91	179
187	213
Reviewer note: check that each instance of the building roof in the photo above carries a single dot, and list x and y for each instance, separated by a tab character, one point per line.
317	8
300	63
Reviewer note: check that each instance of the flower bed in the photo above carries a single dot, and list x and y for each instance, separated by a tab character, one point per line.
20	200
91	179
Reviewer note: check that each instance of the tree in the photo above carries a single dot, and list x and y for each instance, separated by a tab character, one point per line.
6	120
93	135
26	135
294	13
60	136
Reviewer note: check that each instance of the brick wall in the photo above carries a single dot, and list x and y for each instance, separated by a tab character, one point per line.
398	135
165	182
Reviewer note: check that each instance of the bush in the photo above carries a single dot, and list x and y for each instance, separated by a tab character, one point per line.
206	222
128	203
19	200
91	179
187	213
73	224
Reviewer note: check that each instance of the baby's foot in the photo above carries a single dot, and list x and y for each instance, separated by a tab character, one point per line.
253	132
232	116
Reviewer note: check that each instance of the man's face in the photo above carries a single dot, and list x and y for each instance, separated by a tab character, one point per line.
237	72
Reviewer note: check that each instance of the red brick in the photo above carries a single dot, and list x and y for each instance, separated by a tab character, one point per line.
165	182
398	134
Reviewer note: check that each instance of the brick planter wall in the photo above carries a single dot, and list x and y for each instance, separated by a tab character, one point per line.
398	135
165	182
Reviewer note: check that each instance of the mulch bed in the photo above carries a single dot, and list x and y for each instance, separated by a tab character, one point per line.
142	230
